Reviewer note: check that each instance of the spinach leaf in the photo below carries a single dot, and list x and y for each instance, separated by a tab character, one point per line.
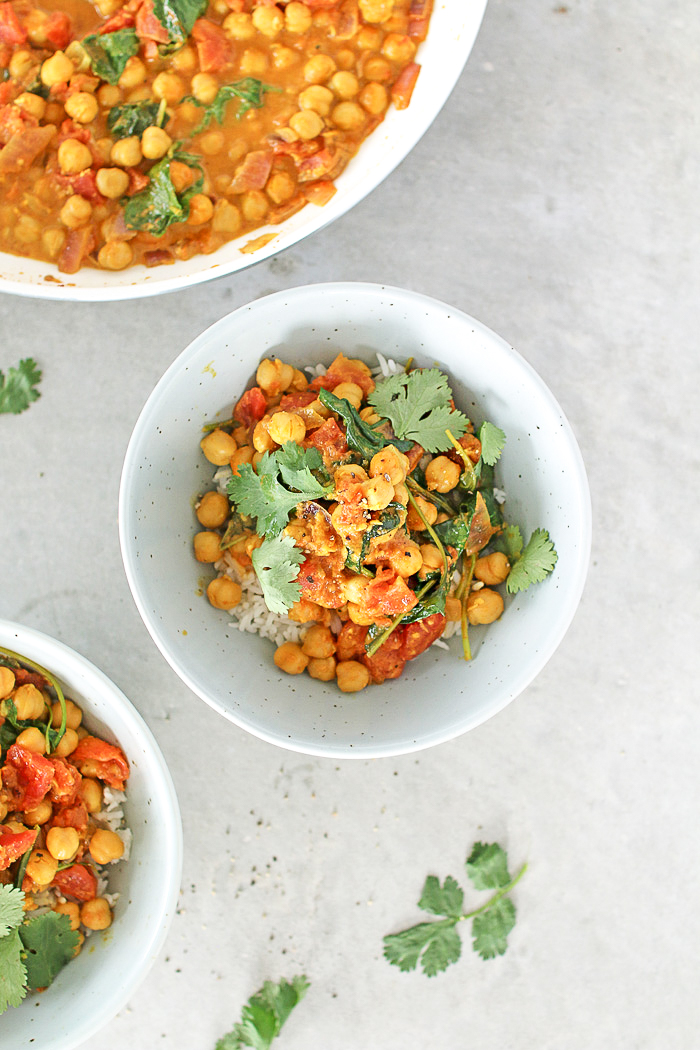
110	52
389	519
178	17
359	435
13	726
159	205
455	531
250	95
132	118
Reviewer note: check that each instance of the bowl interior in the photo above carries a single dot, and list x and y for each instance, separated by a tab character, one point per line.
89	991
439	695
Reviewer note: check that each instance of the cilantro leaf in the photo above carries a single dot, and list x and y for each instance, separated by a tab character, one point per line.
159	205
487	866
264	1015
536	561
48	944
276	563
492	441
178	17
132	118
436	944
490	929
261	495
442	900
296	464
17	389
109	52
249	93
418	404
13	975
11	909
510	542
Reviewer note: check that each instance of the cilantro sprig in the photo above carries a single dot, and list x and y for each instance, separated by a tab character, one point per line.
419	406
18	387
264	1015
276	563
263	496
531	563
437	944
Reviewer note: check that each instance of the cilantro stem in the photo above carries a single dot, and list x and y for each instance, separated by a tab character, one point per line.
500	892
431	532
468	465
208	427
462	593
56	687
19	877
432	497
381	638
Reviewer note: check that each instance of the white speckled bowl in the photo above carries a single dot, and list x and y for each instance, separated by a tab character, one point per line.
92	988
453	29
438	696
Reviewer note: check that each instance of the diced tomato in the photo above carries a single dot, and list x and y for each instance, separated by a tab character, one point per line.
213	47
6	91
404	84
418	18
329	439
320	582
147	25
75	816
70	130
122	20
351	641
28	777
65	782
59	31
319	193
283	211
11	29
388	661
343	374
319	165
388	594
300	399
79	244
298	150
158	257
251	407
97	758
76	881
84	184
13	845
416	637
25	677
253	173
137	181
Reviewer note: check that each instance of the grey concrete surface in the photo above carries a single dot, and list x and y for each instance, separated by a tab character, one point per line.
556	199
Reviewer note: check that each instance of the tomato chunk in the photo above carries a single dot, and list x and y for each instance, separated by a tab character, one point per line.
59	31
421	634
97	758
27	776
13	845
65	783
388	661
76	881
213	48
11	29
251	407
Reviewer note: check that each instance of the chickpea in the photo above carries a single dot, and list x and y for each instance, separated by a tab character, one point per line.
96	914
432	558
27	229
274	376
348	116
318	98
20	64
168	86
297	17
287	426
106	846
318	69
253	62
74	715
62	843
3	810
484	606
73	157
351	675
75	212
72	910
268	20
40	814
240	456
224	593
408	560
322	668
29	701
127	152
369	415
307	124
262	441
319	642
280	187
135	73
355	589
442	474
391	462
374	98
53	238
254	205
299	380
453	609
57	69
33	104
155	143
207	547
398	47
115	255
239	26
7	682
212	143
112	182
107	8
492	568
290	658
413	519
185	60
284	57
108	95
376	10
376	68
350	392
67	744
401	494
90	792
378	493
33	740
218	447
82	107
345	84
213	510
227	218
41	867
359	615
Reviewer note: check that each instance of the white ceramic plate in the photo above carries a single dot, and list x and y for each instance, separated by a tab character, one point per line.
453	29
92	988
438	696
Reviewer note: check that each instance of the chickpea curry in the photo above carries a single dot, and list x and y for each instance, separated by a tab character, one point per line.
149	131
55	835
365	512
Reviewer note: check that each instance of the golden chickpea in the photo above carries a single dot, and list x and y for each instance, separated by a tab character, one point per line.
253	62
345	84
254	205
453	609
318	69
73	157
72	910
82	107
96	914
492	568
112	182
7	682
401	494
53	238
442	474
3	810
349	473
212	143
168	86
227	218
90	792
27	229
319	642
307	124
135	73
358	614
262	441
391	462
290	658
322	668
140	94
224	593
20	64
62	843
155	143
268	20
376	11
287	426
33	740
207	547
429	511
350	392
374	98
67	744
105	846
376	68
75	212
185	60
378	493
351	675
57	69
348	116
29	701
108	95
369	415
239	26
398	48
408	560
205	87
33	104
240	456
297	17
213	510
274	376
107	8
218	447
318	98
484	606
115	255
284	57
41	867
74	715
39	814
299	381
103	148
127	152
432	558
280	187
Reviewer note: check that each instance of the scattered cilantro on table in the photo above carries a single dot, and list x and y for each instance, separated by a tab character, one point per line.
437	944
18	387
264	1015
419	406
